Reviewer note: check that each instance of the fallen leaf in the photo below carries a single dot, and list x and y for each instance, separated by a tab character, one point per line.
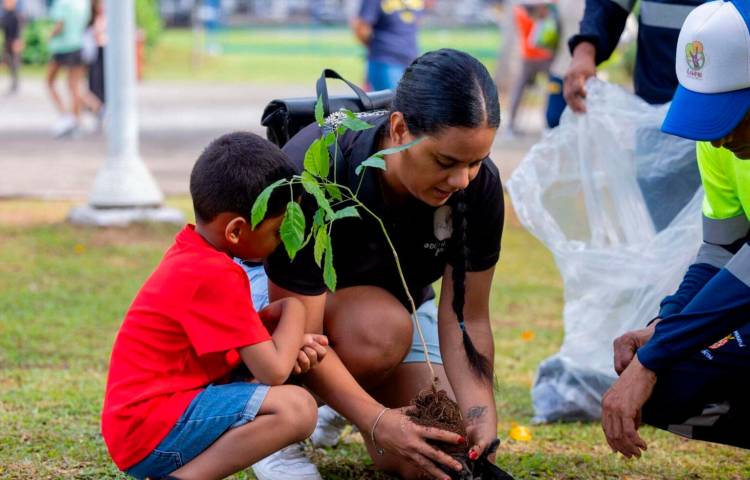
520	433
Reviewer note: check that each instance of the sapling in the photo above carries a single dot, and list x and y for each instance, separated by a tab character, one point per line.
334	202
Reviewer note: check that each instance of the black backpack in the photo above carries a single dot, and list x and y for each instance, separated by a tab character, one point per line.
284	118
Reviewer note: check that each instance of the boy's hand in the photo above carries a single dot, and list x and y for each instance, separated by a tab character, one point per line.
311	354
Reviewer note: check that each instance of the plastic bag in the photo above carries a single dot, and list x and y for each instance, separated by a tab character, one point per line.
618	204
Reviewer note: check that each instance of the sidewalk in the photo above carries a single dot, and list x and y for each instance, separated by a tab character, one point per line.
177	120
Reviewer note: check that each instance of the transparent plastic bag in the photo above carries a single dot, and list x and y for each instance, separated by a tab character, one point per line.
617	202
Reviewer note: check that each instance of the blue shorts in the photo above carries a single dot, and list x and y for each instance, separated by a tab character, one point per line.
212	412
427	316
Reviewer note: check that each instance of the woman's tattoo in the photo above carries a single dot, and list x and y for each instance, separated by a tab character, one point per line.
475	413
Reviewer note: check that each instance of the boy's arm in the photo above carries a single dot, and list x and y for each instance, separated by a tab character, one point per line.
271	362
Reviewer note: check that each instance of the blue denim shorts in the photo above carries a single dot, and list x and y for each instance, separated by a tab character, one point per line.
212	412
427	316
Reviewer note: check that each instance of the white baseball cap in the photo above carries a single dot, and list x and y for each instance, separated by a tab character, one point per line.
713	67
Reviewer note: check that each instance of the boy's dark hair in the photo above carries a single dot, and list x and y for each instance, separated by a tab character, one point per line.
233	170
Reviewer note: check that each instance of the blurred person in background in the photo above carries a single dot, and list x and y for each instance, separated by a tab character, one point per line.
603	22
569	13
532	19
97	32
12	43
71	19
388	28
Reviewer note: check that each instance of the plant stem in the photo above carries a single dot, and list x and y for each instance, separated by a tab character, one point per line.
403	283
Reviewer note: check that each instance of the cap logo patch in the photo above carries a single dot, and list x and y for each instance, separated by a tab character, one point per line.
696	59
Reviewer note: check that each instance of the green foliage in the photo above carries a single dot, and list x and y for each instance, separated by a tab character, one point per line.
321	243
329	273
327	194
317	158
261	203
319	112
148	19
293	229
374	162
353	123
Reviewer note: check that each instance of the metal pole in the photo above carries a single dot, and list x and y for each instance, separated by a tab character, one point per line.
124	180
124	190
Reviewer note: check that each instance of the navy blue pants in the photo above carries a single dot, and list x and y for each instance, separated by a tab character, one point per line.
707	396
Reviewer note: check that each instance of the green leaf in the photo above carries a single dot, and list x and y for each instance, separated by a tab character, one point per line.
293	229
321	243
330	139
313	188
396	149
346	213
375	162
333	191
319	219
319	114
355	124
317	158
329	274
261	203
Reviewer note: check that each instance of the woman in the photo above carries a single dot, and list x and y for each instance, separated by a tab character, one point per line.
441	202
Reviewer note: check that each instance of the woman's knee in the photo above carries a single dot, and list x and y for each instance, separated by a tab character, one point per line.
370	326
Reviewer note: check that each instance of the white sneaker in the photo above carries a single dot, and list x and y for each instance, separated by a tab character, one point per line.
329	427
66	125
288	463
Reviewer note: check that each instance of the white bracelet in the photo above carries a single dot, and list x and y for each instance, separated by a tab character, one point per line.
378	449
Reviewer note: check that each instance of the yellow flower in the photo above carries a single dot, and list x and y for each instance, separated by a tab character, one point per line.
79	249
520	433
528	336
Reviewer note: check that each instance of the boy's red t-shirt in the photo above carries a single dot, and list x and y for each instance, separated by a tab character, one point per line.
179	335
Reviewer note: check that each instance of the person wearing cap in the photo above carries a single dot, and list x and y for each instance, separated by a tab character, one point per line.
687	371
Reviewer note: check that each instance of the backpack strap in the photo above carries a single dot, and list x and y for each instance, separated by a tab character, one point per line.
322	90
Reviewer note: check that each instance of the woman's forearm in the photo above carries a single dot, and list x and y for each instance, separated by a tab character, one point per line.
474	395
333	383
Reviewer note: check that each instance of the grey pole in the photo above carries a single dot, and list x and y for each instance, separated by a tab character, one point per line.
124	190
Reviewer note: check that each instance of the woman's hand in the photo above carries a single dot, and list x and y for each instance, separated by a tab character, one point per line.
481	436
398	435
311	354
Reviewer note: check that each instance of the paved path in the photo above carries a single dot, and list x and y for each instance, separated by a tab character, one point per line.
176	121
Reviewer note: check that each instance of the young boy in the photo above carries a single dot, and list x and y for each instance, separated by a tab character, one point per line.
169	408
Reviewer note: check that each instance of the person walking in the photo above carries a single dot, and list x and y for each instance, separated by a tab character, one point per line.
12	42
71	19
535	59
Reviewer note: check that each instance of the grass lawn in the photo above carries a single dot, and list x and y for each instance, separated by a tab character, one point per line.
290	55
273	55
64	290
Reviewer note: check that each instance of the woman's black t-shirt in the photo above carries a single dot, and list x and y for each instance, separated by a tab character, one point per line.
420	233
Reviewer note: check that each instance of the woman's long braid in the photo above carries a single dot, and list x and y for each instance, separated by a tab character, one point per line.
478	362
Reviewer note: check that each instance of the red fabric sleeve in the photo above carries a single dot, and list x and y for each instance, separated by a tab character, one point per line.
221	317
